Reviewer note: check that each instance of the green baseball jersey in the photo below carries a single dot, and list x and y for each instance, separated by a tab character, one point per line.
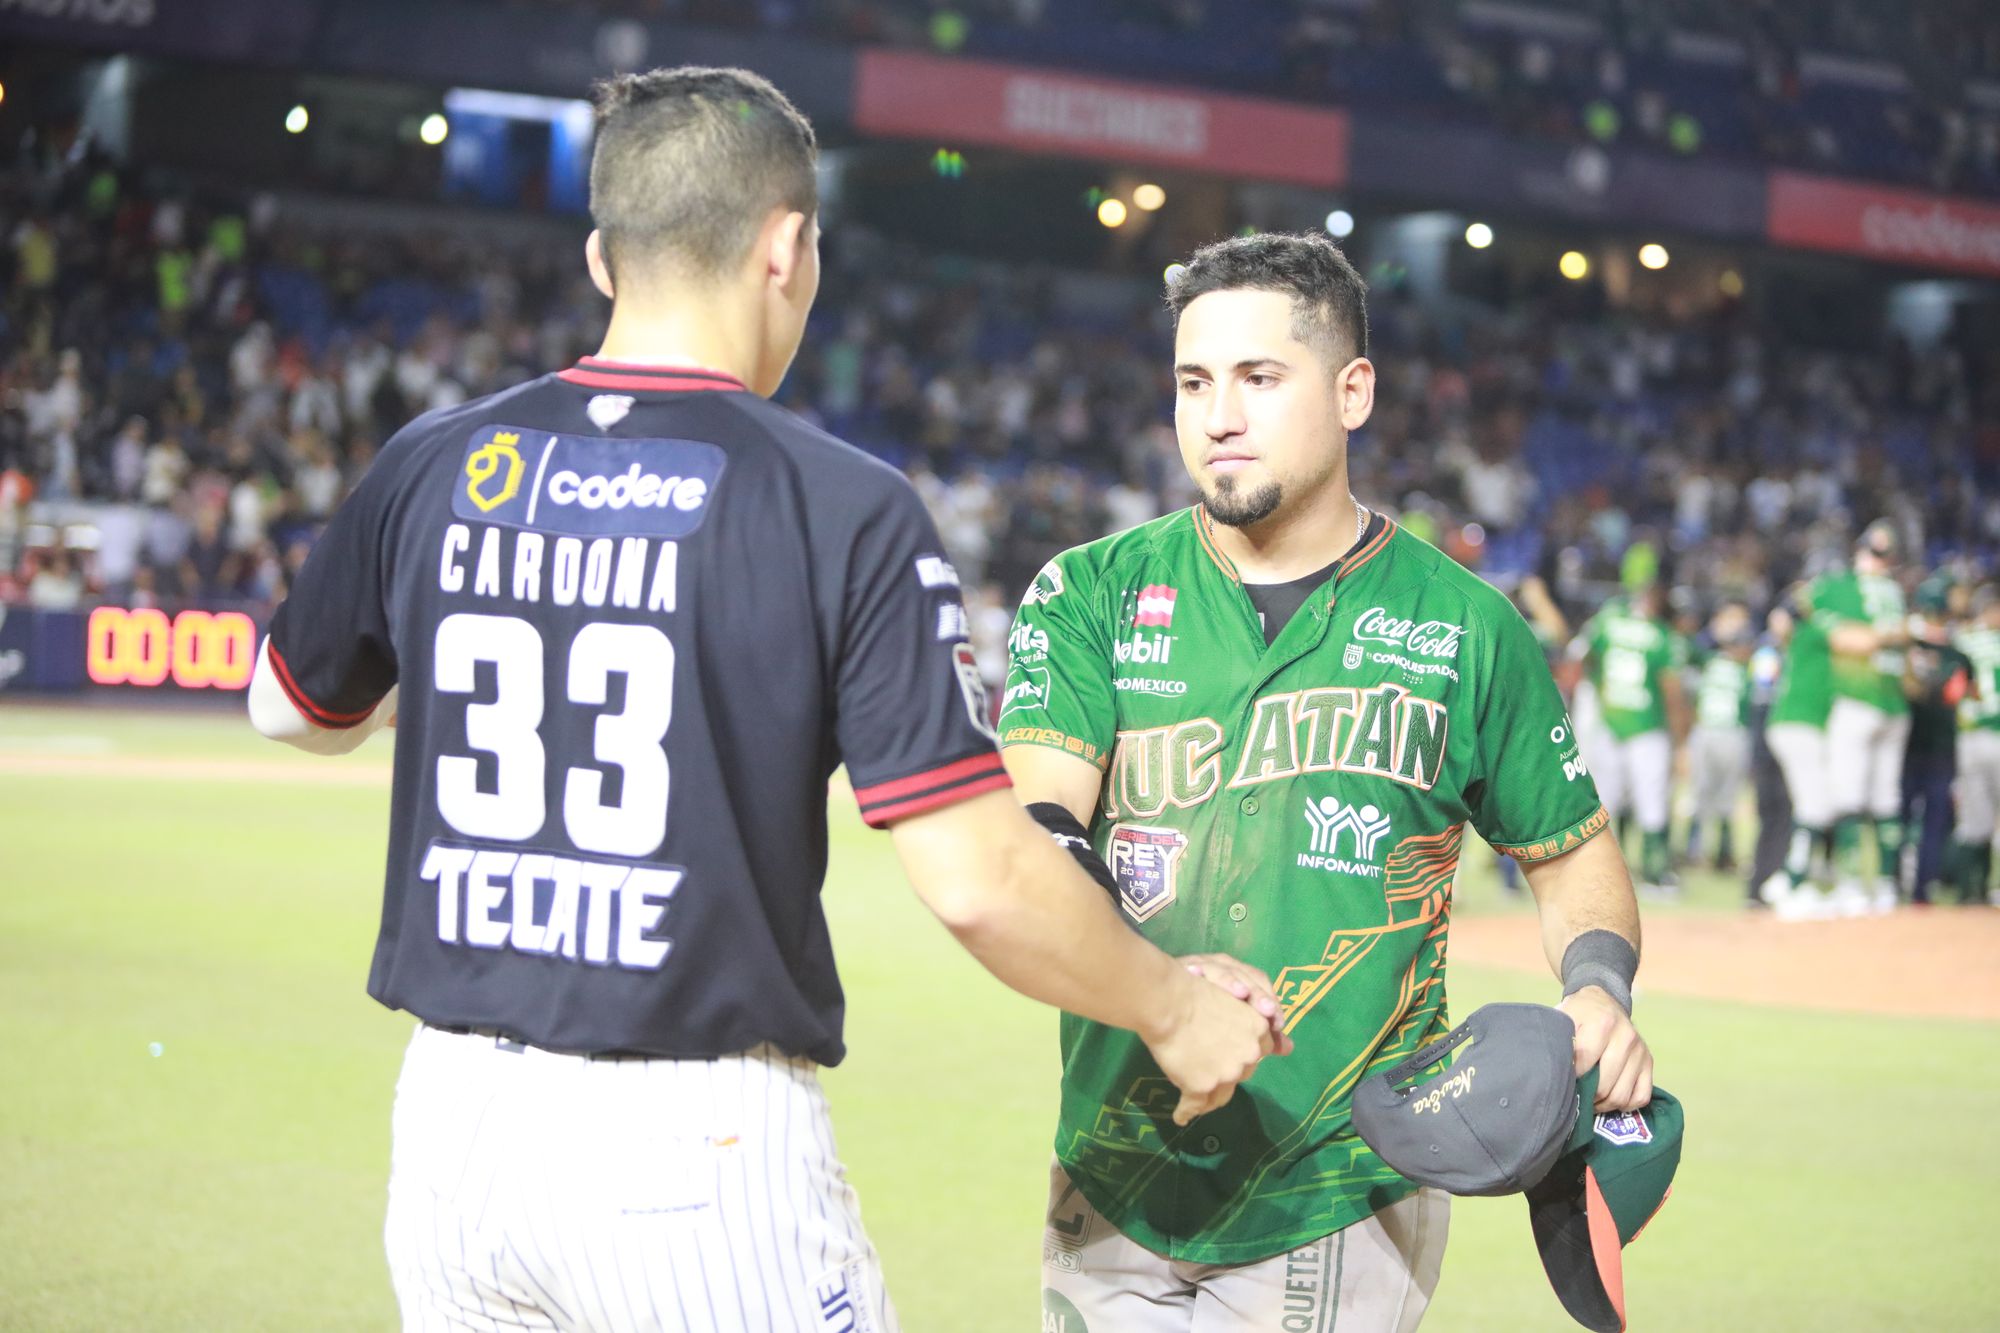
1845	597
1981	710
1805	685
1722	692
1301	807
1631	656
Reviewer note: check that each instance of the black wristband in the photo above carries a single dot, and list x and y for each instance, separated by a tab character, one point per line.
1073	838
1601	958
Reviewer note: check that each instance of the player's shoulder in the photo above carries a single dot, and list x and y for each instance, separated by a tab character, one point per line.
1153	549
1415	563
835	473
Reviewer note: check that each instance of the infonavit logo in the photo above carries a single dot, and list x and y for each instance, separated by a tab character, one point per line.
1364	827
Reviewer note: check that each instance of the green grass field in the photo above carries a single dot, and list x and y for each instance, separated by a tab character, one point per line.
194	1087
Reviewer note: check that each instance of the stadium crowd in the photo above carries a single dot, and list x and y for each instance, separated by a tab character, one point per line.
1876	88
195	381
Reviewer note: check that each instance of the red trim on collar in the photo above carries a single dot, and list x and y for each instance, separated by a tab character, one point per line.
594	372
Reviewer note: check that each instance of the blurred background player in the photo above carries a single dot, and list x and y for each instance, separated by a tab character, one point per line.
1719	745
1868	725
1978	789
1796	734
1767	779
1634	660
1937	678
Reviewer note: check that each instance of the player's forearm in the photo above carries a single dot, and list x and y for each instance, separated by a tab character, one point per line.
1022	907
1584	890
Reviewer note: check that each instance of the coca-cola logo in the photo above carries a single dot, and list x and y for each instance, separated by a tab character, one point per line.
1436	639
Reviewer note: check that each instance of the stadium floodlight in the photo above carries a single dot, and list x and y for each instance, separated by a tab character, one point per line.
1653	255
1149	198
3	92
434	129
1479	235
1173	273
296	120
1575	265
1111	213
1340	224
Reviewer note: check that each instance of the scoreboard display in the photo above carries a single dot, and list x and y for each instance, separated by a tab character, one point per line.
129	649
196	650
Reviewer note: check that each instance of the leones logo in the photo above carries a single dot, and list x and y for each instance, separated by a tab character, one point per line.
1048	586
1027	687
1364	828
493	471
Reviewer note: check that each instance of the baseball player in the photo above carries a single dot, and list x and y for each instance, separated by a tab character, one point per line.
1634	660
1978	789
1269	719
1796	733
1868	725
1937	680
1719	745
632	616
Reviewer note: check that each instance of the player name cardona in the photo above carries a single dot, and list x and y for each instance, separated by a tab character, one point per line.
633	573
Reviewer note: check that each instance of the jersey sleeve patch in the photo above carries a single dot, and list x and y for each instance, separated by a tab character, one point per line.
584	485
1056	740
885	802
1567	840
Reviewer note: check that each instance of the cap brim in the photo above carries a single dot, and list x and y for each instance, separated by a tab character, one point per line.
1578	1240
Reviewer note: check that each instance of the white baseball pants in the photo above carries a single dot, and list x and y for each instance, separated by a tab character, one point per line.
530	1190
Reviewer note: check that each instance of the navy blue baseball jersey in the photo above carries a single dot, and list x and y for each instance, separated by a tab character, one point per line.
637	616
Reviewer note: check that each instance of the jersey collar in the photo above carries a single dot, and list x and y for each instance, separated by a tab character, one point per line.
1204	529
594	372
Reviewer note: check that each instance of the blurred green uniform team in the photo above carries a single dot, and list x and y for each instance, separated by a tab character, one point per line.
1877	715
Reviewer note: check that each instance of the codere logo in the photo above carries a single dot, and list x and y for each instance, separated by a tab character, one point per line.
493	471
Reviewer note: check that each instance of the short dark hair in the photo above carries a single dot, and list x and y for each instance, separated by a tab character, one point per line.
688	162
1329	298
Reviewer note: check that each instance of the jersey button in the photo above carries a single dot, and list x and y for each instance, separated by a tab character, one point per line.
1249	805
1211	1143
1237	911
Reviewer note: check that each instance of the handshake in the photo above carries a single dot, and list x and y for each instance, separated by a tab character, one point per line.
1223	1018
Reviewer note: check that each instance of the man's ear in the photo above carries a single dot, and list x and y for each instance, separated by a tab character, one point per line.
784	250
599	265
1356	386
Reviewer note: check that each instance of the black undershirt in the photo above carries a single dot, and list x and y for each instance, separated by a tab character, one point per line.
1277	603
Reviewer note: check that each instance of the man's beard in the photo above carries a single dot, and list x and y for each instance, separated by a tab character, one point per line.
1239	510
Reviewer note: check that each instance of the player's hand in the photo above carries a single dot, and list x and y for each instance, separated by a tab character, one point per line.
1209	1043
1606	1038
1246	983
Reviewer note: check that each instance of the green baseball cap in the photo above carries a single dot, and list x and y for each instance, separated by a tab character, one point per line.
1610	1179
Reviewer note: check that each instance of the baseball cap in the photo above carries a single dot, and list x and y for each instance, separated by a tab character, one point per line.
1511	1116
1612	1176
1493	1123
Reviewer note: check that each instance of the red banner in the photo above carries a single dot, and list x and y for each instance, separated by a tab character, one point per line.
1042	111
1899	226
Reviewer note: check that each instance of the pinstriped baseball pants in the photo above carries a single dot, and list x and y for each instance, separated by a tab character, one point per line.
531	1190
